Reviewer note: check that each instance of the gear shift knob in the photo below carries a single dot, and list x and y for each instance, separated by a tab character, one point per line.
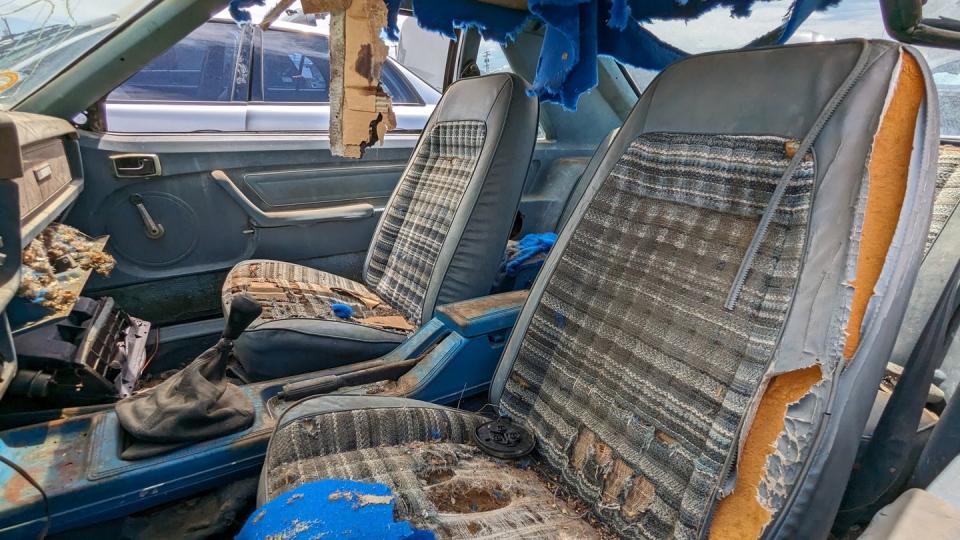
243	311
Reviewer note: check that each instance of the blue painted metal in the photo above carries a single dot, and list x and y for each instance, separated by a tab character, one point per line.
77	460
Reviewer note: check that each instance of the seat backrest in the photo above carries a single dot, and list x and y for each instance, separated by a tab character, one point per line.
445	227
661	407
580	187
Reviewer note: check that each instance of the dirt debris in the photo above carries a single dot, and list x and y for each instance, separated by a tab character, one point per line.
361	499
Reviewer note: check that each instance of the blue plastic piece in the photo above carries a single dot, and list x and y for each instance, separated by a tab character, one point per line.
331	509
528	247
342	310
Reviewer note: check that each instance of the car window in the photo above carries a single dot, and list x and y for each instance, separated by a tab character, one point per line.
200	67
490	59
718	30
283	70
296	69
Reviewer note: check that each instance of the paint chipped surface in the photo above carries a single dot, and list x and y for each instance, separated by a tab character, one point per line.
362	499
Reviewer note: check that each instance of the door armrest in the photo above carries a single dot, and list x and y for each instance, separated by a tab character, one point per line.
290	217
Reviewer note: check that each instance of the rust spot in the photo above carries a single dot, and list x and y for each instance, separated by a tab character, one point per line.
294	497
639	498
459	497
520	381
473	527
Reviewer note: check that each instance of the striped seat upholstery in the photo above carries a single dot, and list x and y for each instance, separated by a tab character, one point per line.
404	255
438	241
661	409
948	190
291	291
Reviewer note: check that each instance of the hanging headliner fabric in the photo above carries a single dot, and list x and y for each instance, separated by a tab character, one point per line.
577	31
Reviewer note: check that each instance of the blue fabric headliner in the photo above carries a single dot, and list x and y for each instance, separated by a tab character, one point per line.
577	31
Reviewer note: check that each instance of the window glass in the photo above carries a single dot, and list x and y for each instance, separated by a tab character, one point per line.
422	52
38	40
289	78
717	30
296	69
490	58
198	68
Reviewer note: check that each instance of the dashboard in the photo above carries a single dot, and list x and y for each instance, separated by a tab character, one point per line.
40	177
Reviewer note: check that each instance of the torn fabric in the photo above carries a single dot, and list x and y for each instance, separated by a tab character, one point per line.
577	31
239	9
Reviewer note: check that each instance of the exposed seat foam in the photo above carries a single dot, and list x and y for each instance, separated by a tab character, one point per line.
640	387
439	240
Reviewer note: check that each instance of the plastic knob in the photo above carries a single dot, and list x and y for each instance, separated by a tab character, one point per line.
243	311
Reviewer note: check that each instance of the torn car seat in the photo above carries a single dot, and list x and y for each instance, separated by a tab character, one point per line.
657	411
439	241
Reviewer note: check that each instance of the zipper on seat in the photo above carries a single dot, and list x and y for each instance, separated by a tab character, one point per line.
805	144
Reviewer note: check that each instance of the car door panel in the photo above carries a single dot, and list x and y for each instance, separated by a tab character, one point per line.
207	229
321	187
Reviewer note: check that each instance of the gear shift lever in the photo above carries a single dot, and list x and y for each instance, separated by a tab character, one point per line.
196	404
243	311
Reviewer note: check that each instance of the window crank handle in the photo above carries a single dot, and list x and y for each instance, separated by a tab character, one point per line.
152	229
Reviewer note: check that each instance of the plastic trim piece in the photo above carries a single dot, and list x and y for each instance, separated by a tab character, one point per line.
290	217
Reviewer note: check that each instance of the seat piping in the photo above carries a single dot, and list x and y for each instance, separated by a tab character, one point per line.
828	110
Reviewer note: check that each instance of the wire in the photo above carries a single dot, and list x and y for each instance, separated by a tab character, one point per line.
43	494
156	347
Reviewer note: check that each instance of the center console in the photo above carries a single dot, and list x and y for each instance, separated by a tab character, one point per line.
77	459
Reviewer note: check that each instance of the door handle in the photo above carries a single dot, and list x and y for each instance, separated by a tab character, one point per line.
135	165
152	229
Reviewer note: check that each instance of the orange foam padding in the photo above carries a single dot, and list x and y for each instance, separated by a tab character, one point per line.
741	515
889	167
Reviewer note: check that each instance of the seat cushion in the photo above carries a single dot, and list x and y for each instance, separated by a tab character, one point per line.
298	330
441	480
